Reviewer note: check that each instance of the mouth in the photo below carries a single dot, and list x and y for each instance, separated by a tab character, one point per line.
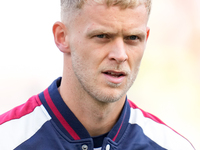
115	74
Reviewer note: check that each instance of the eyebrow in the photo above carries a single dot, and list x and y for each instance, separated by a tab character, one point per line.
138	32
93	32
110	31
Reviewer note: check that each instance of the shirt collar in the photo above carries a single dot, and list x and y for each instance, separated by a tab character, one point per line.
67	122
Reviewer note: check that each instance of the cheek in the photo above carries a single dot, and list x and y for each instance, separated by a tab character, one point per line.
135	57
82	56
91	55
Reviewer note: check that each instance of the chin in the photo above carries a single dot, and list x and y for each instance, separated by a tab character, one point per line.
109	97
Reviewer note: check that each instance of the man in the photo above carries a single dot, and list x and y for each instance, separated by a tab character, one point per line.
103	42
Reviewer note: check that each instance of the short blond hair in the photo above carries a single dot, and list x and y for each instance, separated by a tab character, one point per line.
68	7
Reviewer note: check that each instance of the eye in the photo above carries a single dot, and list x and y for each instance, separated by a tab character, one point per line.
132	37
102	36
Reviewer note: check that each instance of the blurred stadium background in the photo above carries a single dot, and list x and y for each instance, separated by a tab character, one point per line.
168	84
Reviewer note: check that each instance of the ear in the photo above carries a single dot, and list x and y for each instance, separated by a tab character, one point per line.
148	32
61	37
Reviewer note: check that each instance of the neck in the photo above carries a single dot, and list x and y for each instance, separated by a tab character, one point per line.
97	117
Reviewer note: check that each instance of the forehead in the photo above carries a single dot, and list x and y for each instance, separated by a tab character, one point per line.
113	19
121	3
114	14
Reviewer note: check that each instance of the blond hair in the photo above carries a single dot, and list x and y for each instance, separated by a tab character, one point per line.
68	7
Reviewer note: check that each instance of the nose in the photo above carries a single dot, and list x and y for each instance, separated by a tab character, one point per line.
118	51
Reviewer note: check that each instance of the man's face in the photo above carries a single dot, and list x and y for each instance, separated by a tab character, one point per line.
107	45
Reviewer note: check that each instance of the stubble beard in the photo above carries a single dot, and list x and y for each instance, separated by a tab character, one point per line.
88	85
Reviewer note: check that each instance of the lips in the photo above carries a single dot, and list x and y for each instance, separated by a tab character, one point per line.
114	73
116	77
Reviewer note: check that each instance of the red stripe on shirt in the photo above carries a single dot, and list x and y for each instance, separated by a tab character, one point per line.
21	110
146	114
119	128
59	116
118	131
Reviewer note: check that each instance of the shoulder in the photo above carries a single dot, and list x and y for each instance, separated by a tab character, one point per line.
20	123
144	114
20	111
157	130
